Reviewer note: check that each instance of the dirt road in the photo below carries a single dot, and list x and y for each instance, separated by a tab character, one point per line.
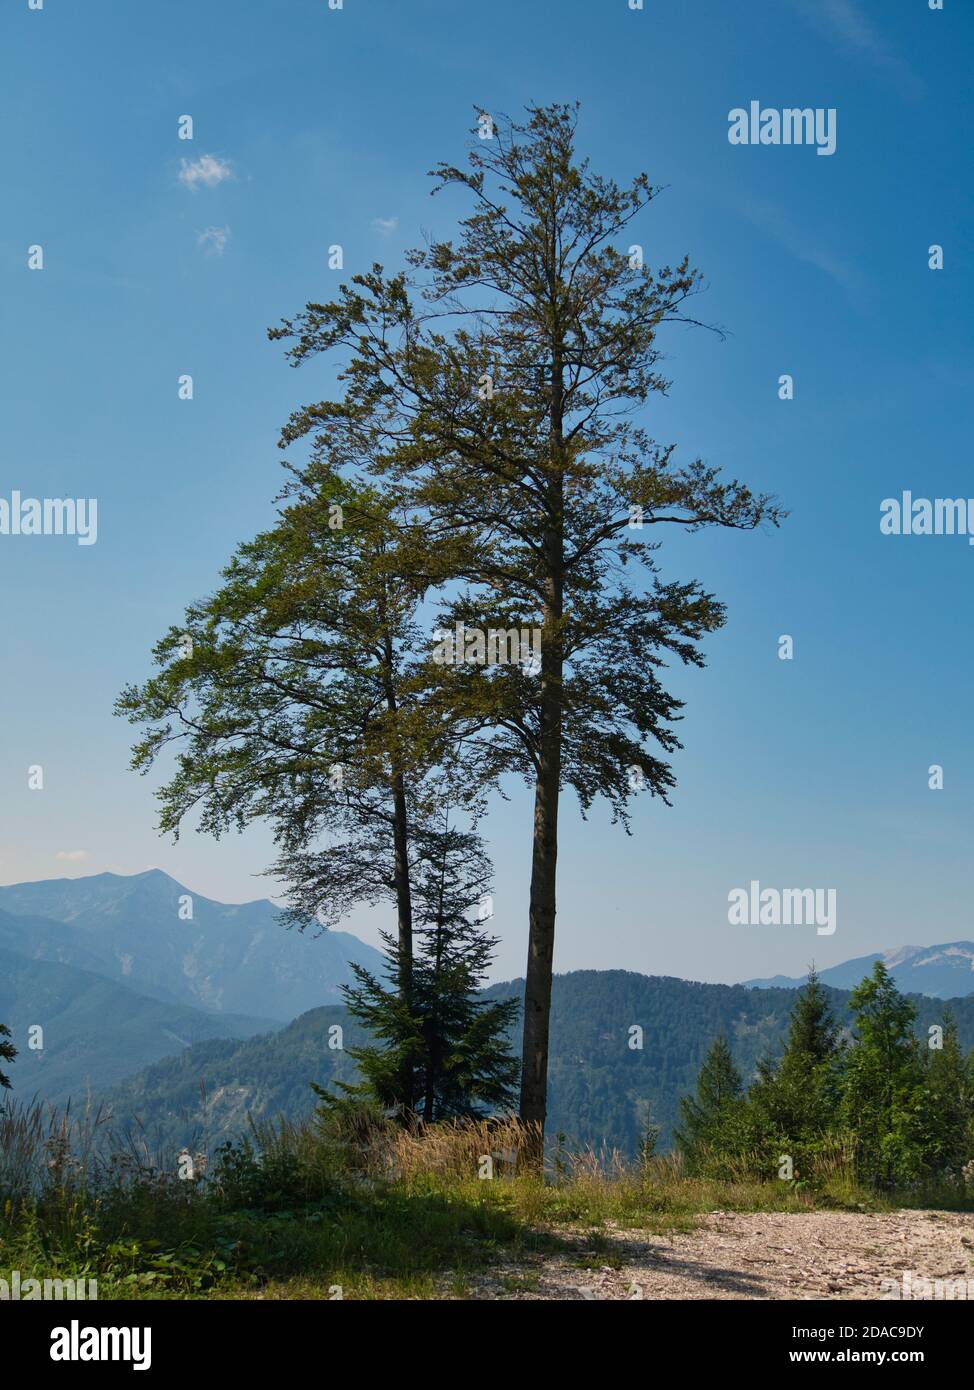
763	1255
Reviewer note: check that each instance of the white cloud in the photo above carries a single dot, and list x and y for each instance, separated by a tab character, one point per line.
72	856
207	171
783	229
214	240
857	36
385	225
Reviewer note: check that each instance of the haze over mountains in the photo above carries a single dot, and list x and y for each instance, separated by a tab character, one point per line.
94	1032
942	972
226	958
116	978
602	1090
141	1003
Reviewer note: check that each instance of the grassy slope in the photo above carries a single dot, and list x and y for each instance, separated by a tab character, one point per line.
387	1215
419	1238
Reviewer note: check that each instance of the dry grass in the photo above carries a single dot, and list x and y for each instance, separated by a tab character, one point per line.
488	1150
42	1145
352	1200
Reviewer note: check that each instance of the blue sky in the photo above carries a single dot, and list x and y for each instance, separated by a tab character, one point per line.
320	126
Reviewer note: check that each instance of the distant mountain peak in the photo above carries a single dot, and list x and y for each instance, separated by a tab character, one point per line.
149	877
944	971
162	939
897	956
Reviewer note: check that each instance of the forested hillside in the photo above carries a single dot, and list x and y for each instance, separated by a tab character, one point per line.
77	1032
602	1090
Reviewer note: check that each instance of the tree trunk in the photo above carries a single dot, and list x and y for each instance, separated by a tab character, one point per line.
404	906
541	947
541	919
405	918
403	894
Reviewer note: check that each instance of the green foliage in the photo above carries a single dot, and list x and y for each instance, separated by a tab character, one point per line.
905	1113
714	1114
944	1127
7	1054
601	1090
794	1100
300	665
451	1041
286	1207
530	486
882	1094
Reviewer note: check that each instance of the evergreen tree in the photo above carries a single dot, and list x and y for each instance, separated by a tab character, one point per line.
947	1104
505	409
453	1043
882	1081
795	1100
907	1110
812	1032
466	1064
7	1054
707	1118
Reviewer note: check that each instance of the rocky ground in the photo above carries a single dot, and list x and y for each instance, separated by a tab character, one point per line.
764	1255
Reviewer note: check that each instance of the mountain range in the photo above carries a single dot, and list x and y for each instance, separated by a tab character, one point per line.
116	974
943	972
146	992
602	1091
224	958
93	1032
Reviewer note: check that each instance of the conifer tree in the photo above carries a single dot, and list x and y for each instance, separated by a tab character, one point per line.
882	1080
453	1043
795	1100
812	1031
706	1118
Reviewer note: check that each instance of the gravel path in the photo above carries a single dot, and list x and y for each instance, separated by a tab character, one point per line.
764	1255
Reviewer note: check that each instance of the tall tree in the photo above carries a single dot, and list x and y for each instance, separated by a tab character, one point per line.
503	401
294	694
797	1098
